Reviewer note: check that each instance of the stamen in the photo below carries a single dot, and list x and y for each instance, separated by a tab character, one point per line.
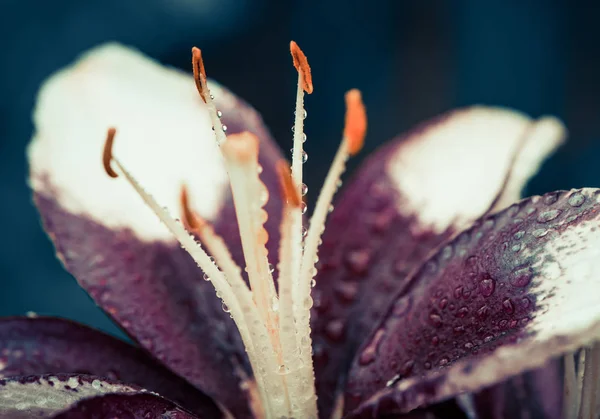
351	142
203	90
292	363
249	196
107	153
591	376
262	359
571	388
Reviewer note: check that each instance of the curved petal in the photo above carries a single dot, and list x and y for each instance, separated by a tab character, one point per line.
511	293
140	405
535	394
44	395
42	345
407	199
105	236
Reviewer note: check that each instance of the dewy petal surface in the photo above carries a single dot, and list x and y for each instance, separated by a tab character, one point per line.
406	200
133	406
44	395
516	290
113	244
33	346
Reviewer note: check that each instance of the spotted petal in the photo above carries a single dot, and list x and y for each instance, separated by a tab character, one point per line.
407	199
111	242
45	395
41	345
139	405
513	292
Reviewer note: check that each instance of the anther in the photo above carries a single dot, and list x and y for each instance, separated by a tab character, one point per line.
356	121
107	153
190	219
199	71
288	190
301	64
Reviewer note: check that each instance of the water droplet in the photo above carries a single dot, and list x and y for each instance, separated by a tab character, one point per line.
462	312
488	338
435	319
444	361
458	292
206	277
516	247
443	303
359	260
335	330
313	283
576	200
224	128
304	232
435	341
401	306
304	156
225	308
303	207
347	290
550	198
271	268
447	252
275	303
369	354
540	232
508	306
427	365
304	189
282	370
487	286
521	277
293	128
407	367
259	169
546	216
469	345
219	114
330	209
308	303
483	312
525	302
338	184
303	137
519	235
212	97
96	384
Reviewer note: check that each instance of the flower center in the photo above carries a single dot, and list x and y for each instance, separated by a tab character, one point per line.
274	324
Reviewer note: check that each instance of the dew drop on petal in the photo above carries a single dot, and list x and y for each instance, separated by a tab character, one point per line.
576	200
487	286
508	306
546	216
304	189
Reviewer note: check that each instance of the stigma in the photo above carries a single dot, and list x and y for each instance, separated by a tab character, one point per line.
273	322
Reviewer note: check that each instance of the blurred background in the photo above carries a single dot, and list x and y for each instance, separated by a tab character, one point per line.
412	59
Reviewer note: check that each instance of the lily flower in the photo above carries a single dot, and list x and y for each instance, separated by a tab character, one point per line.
431	290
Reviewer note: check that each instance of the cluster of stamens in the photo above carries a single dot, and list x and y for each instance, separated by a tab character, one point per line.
274	324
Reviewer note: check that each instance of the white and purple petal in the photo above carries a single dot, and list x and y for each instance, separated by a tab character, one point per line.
406	200
515	291
113	244
43	345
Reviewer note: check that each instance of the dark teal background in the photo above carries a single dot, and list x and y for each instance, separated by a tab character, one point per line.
412	59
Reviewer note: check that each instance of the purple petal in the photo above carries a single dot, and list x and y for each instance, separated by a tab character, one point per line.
513	292
130	406
105	236
33	346
534	394
407	199
44	395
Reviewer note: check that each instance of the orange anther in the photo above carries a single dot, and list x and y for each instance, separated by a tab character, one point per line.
107	153
199	71
301	64
355	127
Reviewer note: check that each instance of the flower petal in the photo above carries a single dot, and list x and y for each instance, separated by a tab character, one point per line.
139	405
535	394
42	345
113	244
518	289
407	199
44	395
